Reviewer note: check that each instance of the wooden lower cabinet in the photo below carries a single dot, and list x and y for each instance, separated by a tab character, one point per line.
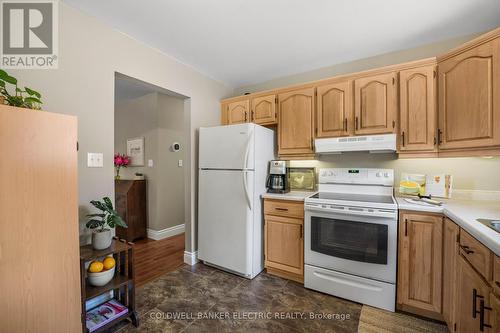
420	264
451	233
472	302
284	241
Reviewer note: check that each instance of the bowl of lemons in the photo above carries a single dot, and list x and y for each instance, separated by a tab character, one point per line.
101	272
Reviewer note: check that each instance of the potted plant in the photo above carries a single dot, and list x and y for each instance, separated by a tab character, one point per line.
18	97
121	161
102	223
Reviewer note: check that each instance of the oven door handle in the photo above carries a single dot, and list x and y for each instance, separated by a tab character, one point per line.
353	211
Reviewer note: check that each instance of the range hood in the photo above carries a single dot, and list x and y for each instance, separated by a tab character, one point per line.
384	143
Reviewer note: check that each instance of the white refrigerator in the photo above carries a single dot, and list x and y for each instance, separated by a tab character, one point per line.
233	164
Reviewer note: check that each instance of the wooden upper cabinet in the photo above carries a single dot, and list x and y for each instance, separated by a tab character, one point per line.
296	123
375	104
420	260
450	253
334	110
238	112
470	290
264	110
418	116
469	98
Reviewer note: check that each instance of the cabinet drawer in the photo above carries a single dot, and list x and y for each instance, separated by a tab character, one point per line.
496	275
284	208
476	254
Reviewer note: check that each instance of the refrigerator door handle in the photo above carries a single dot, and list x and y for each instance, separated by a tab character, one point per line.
247	150
245	188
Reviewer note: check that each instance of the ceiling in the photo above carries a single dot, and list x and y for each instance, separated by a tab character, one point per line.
241	42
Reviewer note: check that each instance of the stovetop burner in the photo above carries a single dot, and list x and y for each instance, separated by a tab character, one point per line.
384	199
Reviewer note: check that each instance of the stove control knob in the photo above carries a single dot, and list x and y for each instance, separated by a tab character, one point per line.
386	174
330	173
323	174
378	174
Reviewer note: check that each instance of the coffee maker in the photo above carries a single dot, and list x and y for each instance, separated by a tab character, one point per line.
277	180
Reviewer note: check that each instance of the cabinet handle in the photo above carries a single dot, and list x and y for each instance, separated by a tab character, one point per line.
439	136
301	232
406	227
252	115
246	116
281	209
482	307
475	296
345	124
403	138
466	249
356	123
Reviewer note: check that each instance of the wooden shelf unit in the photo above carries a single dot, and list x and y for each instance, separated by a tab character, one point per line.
122	285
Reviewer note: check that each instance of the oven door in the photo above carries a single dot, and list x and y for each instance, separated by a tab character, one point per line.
349	243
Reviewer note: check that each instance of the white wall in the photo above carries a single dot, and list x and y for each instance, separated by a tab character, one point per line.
89	55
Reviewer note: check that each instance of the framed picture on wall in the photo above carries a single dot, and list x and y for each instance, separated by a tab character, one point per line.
135	149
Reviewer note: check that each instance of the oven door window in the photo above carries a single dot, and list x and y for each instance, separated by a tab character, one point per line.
358	241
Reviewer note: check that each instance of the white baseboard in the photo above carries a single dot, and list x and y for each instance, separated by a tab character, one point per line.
165	233
190	258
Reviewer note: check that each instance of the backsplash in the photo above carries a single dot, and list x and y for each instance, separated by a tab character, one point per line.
469	173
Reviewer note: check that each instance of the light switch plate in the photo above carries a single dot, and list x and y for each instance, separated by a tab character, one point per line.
95	160
180	163
150	163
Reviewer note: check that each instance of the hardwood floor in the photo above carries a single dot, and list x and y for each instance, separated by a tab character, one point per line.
155	258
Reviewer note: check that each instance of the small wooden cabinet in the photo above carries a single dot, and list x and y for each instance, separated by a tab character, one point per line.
375	104
472	301
334	116
451	233
238	112
295	126
264	110
131	204
418	116
420	263
284	238
469	98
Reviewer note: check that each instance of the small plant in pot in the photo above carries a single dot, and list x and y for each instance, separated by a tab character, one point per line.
102	223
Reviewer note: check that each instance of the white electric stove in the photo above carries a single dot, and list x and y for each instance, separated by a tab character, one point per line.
351	236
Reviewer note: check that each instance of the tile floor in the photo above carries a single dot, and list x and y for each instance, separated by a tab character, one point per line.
180	301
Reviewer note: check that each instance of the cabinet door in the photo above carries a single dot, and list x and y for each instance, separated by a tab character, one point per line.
469	98
375	104
264	110
284	244
450	252
238	112
295	126
495	313
418	109
420	258
334	110
470	290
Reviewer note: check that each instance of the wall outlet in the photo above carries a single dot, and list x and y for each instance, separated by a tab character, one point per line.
95	160
180	163
150	163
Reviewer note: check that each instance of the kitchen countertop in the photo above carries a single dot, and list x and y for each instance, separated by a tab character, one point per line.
464	213
292	195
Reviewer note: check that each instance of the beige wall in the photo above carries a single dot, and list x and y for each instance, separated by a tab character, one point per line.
471	173
160	120
387	59
89	55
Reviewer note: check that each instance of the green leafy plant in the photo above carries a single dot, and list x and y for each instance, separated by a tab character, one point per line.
108	216
27	98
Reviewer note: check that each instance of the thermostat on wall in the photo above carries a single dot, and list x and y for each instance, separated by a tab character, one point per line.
176	146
